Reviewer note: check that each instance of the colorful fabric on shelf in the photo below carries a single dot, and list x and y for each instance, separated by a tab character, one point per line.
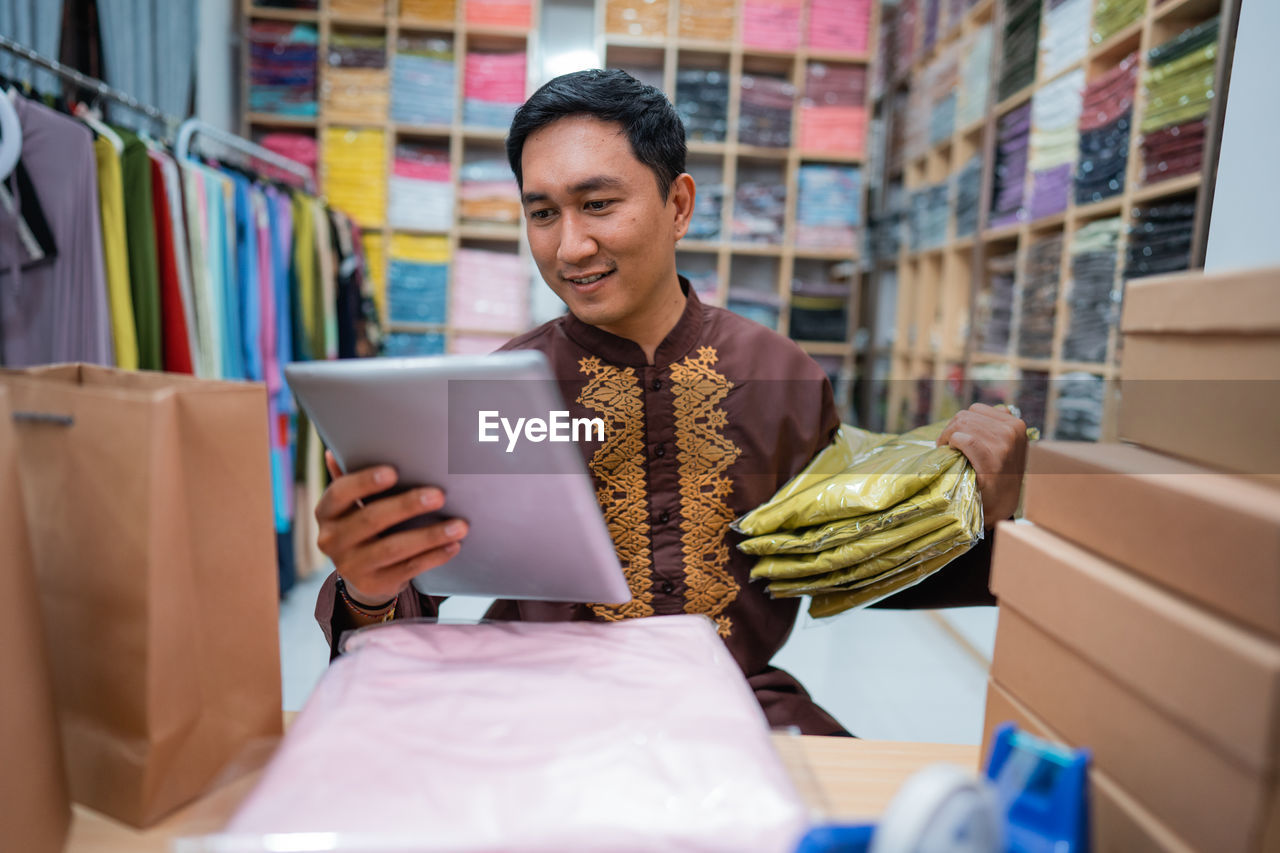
771	24
422	81
1092	299
636	18
1013	131
420	195
839	25
1055	116
828	206
493	88
282	68
355	166
490	291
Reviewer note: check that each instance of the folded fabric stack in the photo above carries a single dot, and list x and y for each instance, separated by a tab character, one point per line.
758	211
1040	298
1079	404
833	114
499	13
422	81
819	311
706	283
702	100
765	118
904	34
438	11
932	14
356	83
1032	398
493	88
707	20
929	212
771	24
490	291
488	192
995	304
1160	238
1105	120
942	78
975	77
299	147
968	197
418	279
1112	16
1092	298
827	209
359	8
355	168
1179	86
839	25
756	305
470	344
421	193
708	207
1021	40
1066	35
1055	116
1013	134
872	514
405	344
636	18
282	68
915	125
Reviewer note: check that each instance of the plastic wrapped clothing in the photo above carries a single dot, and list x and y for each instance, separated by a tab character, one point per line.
860	472
870	515
631	735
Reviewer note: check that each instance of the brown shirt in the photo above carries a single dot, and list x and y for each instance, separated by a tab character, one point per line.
728	412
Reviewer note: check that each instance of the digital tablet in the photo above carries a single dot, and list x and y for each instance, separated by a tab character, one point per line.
494	433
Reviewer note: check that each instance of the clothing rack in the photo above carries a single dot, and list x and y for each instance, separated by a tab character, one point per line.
192	127
186	131
90	83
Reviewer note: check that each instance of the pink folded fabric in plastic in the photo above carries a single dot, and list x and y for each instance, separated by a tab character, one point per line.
638	735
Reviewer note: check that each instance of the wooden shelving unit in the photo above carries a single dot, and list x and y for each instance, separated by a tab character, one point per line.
939	288
734	262
459	139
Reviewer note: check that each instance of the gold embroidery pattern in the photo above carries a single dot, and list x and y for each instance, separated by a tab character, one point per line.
703	458
618	466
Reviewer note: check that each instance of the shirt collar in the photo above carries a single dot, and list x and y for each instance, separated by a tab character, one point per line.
618	350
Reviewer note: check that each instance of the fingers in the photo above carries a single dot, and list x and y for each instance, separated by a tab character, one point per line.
332	464
347	489
405	547
983	421
387	582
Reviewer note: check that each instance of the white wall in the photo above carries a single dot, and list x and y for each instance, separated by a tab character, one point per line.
1242	232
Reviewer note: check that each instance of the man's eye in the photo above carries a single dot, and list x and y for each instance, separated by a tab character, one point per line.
597	205
541	215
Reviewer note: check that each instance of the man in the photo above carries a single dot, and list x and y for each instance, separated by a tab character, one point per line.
707	413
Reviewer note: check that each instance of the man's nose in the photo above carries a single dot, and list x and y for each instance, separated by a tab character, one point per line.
576	243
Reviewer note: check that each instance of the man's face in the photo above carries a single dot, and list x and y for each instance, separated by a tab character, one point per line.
600	232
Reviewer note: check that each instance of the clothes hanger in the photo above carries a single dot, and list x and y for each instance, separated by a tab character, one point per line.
87	115
10	135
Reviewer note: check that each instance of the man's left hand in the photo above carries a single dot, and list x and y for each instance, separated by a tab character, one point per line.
995	443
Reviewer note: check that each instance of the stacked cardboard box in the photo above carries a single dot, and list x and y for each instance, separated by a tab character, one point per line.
1140	607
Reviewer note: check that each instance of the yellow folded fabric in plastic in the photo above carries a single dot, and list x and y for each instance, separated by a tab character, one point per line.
932	499
857	474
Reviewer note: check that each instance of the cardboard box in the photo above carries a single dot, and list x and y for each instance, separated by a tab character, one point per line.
1218	680
1117	822
1212	537
1195	789
1200	374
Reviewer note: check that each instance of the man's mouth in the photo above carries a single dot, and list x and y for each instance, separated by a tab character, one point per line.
587	280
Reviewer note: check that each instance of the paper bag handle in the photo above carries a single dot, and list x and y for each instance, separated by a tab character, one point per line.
43	418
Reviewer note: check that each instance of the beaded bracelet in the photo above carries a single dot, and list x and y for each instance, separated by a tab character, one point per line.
385	612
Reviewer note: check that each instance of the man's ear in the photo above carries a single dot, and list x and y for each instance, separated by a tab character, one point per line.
681	197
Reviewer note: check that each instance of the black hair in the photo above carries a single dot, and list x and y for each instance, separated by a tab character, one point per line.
650	122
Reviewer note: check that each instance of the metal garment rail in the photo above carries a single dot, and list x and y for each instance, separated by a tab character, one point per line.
185	131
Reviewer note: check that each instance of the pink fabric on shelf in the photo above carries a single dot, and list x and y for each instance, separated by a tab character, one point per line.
842	26
625	736
421	171
771	24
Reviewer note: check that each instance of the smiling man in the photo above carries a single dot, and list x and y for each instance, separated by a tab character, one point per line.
706	413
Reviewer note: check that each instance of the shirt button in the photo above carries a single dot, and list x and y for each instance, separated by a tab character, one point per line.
660	451
657	385
664	517
668	587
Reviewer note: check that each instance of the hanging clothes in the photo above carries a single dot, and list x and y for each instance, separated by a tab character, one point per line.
173	314
55	311
140	235
115	252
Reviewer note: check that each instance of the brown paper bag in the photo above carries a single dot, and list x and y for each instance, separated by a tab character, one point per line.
35	811
148	498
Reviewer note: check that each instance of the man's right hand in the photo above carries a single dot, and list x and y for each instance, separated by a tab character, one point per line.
377	568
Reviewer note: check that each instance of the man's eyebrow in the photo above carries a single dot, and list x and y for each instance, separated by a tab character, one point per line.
596	182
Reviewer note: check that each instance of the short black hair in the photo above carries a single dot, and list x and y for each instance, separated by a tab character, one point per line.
650	122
